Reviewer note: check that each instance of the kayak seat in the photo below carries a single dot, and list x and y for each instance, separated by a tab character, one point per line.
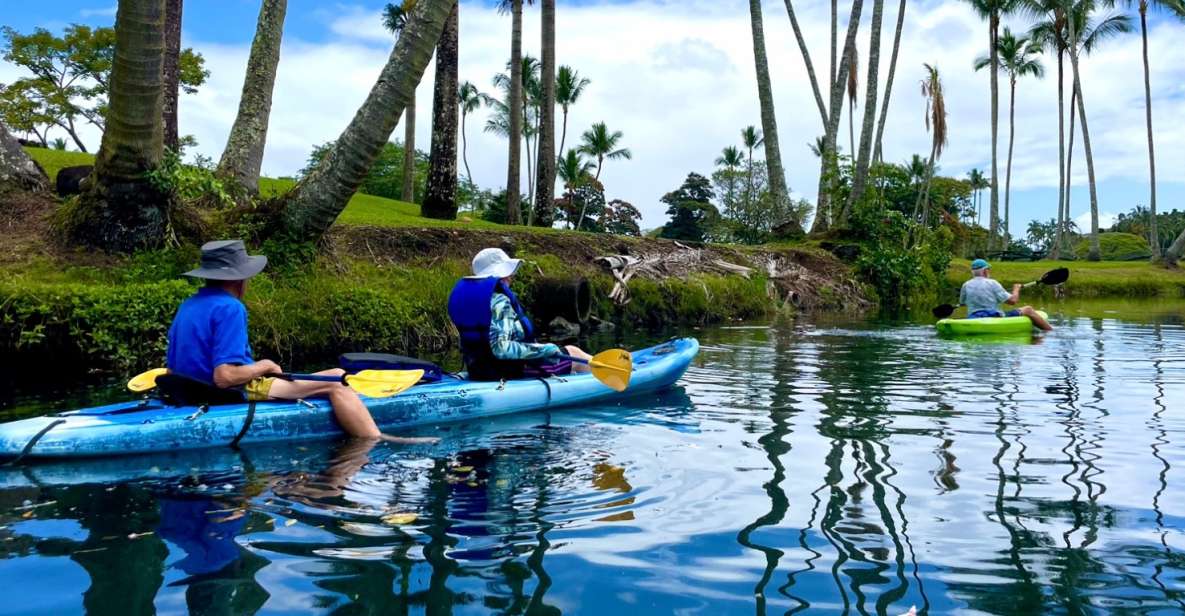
178	390
357	362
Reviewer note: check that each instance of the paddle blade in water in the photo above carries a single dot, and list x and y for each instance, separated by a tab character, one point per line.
943	311
1056	276
613	368
146	380
383	383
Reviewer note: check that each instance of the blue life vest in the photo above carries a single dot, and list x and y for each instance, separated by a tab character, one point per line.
469	309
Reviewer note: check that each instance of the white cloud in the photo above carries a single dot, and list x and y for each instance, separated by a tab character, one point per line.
1106	220
99	12
677	78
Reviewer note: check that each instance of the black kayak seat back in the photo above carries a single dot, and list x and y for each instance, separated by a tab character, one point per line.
357	362
178	390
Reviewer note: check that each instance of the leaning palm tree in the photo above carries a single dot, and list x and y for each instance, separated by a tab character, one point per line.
751	138
730	158
993	11
395	18
936	126
769	123
1177	9
470	99
1018	58
569	85
1085	33
600	144
243	156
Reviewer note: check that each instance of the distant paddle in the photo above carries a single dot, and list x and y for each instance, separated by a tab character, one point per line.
1052	277
613	367
370	383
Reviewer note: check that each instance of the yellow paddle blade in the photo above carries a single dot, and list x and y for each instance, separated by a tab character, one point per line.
613	368
146	380
383	383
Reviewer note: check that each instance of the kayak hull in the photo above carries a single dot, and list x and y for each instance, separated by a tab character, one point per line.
992	326
151	426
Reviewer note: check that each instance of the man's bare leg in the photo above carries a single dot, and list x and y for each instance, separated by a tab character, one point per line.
1036	318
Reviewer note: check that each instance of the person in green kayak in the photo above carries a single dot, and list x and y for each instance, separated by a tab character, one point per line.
208	342
497	337
982	296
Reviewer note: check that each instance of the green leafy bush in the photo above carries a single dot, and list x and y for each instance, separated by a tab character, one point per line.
1116	247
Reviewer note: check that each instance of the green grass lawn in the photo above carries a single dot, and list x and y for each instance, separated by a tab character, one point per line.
1087	278
362	209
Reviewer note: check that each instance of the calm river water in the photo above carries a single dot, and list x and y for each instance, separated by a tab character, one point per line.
826	467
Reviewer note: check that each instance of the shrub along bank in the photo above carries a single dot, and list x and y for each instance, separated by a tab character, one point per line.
1087	279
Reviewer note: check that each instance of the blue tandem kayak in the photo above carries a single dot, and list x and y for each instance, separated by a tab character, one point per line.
152	426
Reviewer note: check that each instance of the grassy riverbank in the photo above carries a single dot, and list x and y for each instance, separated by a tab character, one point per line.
1087	278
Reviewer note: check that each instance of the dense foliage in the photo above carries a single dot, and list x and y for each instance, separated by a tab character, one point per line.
691	210
1168	225
1117	247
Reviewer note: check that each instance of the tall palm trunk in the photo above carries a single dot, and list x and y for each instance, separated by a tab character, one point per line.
994	196
312	206
1070	161
243	156
513	174
440	198
1061	157
749	190
871	83
1008	165
924	195
465	149
821	221
1095	253
769	122
408	190
827	171
880	124
545	168
564	132
122	210
171	68
1173	254
1152	234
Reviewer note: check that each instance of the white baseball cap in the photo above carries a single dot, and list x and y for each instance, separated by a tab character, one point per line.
494	263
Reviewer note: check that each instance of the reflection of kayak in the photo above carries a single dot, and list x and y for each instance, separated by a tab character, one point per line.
133	427
990	325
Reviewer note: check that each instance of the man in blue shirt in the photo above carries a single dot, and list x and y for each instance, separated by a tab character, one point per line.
982	296
208	342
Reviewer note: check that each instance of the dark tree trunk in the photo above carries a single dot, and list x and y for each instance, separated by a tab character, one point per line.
769	121
545	169
1056	253
1153	235
513	213
994	194
871	83
312	206
828	168
408	192
121	210
440	199
243	156
17	170
171	70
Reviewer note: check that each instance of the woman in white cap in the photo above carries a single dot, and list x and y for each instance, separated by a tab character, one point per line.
497	337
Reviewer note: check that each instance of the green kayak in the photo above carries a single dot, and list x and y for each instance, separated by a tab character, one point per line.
991	325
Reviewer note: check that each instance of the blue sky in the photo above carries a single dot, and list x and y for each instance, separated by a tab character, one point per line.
677	79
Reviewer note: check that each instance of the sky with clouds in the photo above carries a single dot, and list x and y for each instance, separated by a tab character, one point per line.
676	77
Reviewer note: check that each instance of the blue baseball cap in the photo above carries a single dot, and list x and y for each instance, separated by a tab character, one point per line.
979	264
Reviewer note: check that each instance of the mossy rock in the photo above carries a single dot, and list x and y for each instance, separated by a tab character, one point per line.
1116	247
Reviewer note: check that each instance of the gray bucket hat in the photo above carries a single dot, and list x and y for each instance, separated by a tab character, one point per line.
227	260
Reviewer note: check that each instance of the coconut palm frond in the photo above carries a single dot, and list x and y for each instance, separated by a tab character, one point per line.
1110	26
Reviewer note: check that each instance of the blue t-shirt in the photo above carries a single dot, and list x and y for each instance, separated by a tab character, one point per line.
210	330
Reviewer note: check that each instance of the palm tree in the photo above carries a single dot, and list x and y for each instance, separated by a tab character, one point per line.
515	107
978	182
993	11
1050	30
171	71
731	158
470	99
440	196
599	143
316	201
1018	58
1177	9
545	169
569	85
242	158
532	93
573	169
133	141
751	138
936	126
853	86
395	19
1084	34
880	124
769	122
